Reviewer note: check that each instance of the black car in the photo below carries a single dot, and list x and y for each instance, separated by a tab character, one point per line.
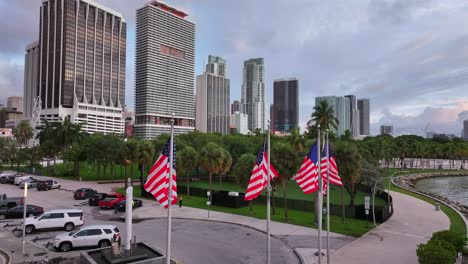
84	193
136	203
18	211
93	200
10	179
42	186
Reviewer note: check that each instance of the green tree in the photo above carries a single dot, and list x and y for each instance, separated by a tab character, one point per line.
242	171
323	115
23	132
187	160
145	158
348	160
225	166
436	252
211	159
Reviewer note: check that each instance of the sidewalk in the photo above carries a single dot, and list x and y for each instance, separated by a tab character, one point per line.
396	240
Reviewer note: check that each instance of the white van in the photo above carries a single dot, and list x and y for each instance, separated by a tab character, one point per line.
60	218
20	178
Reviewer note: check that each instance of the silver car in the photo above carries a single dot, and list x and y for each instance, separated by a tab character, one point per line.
32	183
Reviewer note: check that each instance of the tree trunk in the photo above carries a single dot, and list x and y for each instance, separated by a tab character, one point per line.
250	207
99	169
211	184
112	172
133	171
105	169
343	205
125	179
188	187
351	195
285	200
220	180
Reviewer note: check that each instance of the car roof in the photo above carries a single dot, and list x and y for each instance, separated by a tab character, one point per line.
98	227
65	211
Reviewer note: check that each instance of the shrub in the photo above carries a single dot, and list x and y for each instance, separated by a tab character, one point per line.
436	252
451	237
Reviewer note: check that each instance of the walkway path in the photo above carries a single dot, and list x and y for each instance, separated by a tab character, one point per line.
396	240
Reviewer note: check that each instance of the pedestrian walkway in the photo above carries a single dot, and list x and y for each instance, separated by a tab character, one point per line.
396	240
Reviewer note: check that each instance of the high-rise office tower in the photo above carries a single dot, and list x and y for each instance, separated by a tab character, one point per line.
285	105
31	75
364	116
165	69
354	115
386	130
465	129
341	110
253	93
82	64
235	107
212	98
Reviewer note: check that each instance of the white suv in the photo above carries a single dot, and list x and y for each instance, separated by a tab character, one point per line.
61	218
88	236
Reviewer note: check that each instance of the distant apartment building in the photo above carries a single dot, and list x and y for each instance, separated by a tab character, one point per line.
364	116
353	116
31	78
15	103
212	98
285	109
253	93
239	123
164	71
465	129
386	130
341	111
82	46
235	107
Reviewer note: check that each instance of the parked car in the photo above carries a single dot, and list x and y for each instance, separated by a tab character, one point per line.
136	203
21	177
84	193
89	236
9	202
47	185
4	176
94	200
111	202
10	179
32	183
18	211
61	218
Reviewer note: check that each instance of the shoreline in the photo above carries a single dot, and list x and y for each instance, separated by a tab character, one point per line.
409	182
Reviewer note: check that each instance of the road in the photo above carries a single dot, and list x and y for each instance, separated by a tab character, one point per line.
194	241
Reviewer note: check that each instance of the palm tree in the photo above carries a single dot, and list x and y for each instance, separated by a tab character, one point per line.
242	171
323	115
211	159
226	164
23	132
133	150
187	160
145	158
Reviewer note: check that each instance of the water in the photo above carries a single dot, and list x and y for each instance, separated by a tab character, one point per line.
452	188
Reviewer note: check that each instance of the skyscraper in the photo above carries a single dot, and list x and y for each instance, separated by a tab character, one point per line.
354	115
82	64
386	130
465	129
341	110
31	75
212	98
165	69
364	116
253	93
235	107
285	109
15	103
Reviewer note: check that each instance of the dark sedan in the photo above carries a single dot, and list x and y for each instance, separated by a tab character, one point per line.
84	193
17	211
93	200
136	203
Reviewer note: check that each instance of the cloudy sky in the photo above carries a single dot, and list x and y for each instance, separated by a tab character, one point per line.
410	57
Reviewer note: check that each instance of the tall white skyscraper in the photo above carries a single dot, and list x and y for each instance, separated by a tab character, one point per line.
212	98
253	93
164	71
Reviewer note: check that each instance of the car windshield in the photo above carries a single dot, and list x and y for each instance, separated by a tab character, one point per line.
72	233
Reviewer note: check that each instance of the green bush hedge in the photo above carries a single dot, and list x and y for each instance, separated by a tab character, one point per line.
436	252
450	237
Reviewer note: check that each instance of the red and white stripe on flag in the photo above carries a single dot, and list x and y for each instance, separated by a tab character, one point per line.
307	176
157	182
258	179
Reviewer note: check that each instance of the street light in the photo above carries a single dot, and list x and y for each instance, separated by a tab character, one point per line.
388	194
24	216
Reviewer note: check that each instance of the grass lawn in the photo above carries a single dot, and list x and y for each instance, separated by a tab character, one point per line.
352	227
456	222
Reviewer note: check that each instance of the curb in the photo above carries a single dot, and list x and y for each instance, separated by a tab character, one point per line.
299	255
6	256
437	200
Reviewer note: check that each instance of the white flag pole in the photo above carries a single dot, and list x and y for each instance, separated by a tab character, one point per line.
268	198
169	198
328	196
320	187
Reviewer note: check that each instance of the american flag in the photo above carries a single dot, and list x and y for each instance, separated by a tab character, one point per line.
307	176
334	177
157	182
259	180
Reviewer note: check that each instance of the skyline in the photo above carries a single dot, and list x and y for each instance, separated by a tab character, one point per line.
407	57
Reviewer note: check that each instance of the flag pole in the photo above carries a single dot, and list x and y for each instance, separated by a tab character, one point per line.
169	198
328	196
319	217
268	197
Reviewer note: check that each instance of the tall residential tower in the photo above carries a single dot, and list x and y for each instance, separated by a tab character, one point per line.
82	64
285	110
31	75
253	93
165	69
364	116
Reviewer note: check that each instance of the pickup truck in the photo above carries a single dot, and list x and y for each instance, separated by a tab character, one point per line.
10	201
111	201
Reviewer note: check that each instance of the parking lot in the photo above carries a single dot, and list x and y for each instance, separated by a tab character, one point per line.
193	241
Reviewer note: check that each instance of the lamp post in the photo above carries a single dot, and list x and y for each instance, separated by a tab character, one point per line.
388	196
24	217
